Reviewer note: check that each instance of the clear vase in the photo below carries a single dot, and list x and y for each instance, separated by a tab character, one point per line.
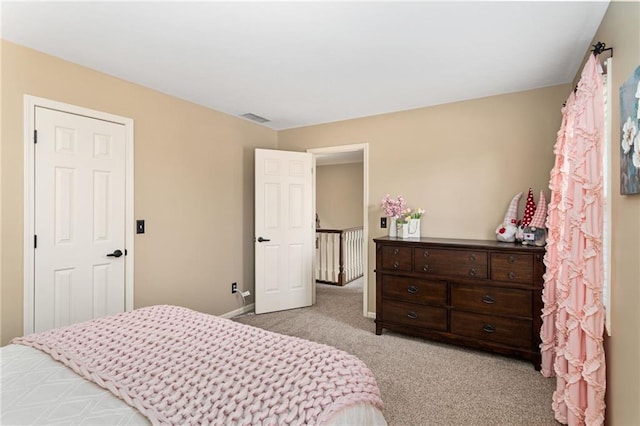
393	228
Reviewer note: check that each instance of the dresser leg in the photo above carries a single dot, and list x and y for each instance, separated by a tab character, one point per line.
378	329
537	362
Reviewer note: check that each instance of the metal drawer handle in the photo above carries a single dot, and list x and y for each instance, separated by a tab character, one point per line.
511	276
489	328
396	265
512	259
396	251
488	299
425	253
473	272
425	268
472	257
412	315
412	289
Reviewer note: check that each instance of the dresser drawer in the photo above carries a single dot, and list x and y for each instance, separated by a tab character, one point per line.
453	263
512	267
396	258
415	315
492	300
414	290
507	331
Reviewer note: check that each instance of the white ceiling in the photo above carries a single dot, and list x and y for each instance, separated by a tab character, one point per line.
304	63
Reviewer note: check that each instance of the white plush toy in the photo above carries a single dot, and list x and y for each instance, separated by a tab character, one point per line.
506	231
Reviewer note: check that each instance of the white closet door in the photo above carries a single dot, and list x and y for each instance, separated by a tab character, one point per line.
79	271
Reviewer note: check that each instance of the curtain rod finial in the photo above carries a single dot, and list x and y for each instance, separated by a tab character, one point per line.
600	47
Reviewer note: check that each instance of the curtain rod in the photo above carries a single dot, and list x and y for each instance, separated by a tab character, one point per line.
600	47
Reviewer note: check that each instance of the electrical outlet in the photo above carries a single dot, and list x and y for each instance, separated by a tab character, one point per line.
234	287
383	222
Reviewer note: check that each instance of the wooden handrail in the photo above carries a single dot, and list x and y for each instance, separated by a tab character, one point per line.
337	231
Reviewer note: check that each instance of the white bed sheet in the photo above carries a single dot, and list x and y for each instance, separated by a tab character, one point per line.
35	389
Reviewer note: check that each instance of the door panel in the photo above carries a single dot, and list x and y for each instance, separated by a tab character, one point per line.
296	266
62	282
79	218
284	219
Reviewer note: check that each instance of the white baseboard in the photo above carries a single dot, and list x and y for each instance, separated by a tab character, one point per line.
239	311
250	307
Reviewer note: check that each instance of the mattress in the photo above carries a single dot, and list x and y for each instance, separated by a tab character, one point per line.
37	389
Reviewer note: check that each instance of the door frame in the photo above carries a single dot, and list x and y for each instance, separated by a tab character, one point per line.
30	103
340	149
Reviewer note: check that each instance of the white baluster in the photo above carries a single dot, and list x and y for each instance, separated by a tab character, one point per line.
317	254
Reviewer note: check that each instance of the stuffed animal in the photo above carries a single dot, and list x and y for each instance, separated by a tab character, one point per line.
536	233
506	231
519	232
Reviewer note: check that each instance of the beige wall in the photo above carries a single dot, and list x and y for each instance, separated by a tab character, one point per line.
339	195
461	162
193	185
620	29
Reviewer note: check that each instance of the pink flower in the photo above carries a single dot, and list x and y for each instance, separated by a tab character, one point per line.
393	207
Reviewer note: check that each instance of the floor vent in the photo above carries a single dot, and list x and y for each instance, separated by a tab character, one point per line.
255	118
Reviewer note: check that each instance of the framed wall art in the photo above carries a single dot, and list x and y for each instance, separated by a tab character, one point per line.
629	135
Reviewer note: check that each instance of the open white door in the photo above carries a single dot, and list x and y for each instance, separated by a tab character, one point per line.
284	230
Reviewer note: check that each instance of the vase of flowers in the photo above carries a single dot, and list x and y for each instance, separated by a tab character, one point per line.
393	226
393	209
413	218
403	227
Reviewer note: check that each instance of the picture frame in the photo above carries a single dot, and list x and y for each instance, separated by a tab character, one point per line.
630	135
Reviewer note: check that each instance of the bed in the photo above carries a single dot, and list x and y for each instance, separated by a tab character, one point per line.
171	365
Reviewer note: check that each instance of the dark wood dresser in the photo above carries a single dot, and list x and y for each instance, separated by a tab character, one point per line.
481	294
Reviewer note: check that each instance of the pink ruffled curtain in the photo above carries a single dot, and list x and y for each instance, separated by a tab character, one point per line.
573	313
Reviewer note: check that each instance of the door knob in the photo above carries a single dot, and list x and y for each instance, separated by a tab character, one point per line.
116	253
260	239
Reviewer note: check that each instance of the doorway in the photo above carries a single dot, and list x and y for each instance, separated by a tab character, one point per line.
344	154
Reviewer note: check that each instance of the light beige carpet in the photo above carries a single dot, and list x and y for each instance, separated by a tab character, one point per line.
422	382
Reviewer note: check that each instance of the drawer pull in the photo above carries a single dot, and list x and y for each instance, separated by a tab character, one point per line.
472	257
511	276
425	253
512	259
412	315
473	272
489	328
488	299
396	251
396	265
412	289
425	268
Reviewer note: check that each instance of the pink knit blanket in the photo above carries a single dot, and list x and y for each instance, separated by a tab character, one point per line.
178	366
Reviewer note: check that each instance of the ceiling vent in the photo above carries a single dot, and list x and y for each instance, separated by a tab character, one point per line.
255	118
